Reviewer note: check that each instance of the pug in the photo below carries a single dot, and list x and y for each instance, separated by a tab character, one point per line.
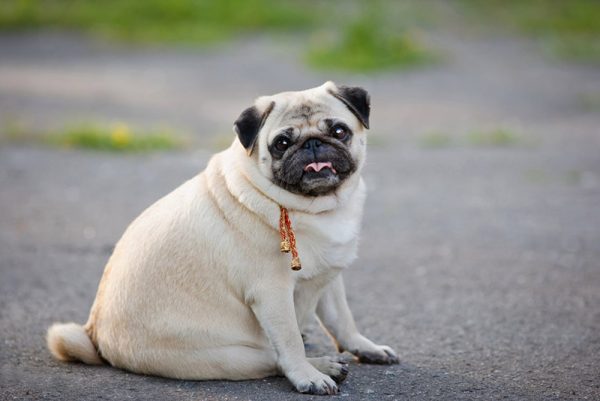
198	288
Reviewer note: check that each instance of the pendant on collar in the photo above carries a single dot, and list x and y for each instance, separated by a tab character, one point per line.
288	239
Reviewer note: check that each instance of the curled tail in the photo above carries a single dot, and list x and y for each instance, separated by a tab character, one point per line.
70	342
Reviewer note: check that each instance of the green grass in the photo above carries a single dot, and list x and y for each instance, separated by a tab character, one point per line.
497	137
367	44
169	21
366	36
569	29
118	138
569	177
435	140
13	130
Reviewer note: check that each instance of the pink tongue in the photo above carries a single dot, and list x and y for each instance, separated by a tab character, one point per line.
318	166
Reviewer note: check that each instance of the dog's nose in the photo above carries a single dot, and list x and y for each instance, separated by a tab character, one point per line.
312	144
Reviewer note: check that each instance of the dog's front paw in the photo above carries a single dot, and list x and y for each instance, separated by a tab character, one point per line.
333	367
369	352
311	381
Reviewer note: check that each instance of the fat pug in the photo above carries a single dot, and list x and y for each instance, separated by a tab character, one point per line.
197	287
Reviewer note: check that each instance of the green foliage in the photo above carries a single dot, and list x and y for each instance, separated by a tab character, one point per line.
119	138
495	137
570	29
13	130
436	140
571	17
367	44
181	21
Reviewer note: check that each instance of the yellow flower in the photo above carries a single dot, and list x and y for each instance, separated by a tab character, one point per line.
121	135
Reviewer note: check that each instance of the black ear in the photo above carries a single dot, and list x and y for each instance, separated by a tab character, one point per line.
249	124
357	100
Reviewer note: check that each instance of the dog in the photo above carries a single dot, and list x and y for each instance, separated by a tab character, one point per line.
198	288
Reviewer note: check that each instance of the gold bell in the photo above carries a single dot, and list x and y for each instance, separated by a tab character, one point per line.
296	263
285	246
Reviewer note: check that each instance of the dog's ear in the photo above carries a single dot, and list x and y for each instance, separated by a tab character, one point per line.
248	125
357	100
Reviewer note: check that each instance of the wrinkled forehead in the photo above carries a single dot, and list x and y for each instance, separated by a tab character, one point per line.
305	112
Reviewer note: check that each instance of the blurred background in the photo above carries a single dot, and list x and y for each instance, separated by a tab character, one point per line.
479	258
79	72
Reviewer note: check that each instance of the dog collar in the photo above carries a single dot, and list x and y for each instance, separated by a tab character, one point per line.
288	238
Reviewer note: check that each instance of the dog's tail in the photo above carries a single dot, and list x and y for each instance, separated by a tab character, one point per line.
70	342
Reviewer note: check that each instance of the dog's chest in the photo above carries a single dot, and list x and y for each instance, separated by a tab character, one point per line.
326	241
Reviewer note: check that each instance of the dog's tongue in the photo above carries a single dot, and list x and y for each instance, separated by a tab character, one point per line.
318	166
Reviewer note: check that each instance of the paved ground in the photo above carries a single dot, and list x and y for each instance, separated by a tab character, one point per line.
480	265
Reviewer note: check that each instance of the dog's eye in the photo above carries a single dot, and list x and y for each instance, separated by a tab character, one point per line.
339	132
282	143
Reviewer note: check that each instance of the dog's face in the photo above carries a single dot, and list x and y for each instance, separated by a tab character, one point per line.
307	142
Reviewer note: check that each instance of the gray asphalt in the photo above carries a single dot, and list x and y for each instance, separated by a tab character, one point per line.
479	265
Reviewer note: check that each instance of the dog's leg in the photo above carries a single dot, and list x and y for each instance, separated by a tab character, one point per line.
274	309
334	313
235	362
306	296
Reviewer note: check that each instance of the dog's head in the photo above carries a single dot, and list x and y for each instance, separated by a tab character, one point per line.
307	142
